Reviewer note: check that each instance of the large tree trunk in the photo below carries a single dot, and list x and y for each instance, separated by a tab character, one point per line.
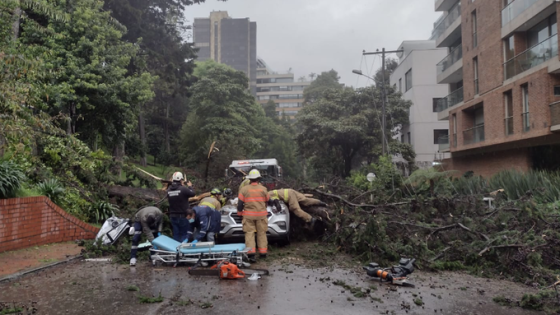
15	25
142	131
167	145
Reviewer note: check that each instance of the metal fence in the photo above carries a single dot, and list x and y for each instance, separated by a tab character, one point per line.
473	135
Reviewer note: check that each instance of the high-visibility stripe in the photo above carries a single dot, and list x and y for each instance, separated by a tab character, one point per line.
133	247
255	213
241	197
208	204
286	195
263	250
251	251
255	199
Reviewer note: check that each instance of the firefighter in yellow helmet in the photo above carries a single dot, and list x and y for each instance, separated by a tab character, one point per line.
293	199
214	201
252	202
244	183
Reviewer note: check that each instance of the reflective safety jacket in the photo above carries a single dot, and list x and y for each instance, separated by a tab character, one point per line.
280	194
244	183
211	202
252	201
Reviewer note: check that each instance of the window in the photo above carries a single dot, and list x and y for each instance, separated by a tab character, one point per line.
525	102
475	69
400	85
435	102
473	19
557	90
542	31
438	133
409	139
408	80
508	103
402	138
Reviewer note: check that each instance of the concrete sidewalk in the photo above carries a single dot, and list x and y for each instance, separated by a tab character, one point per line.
21	260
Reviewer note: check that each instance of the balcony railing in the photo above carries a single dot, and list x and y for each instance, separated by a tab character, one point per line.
555	113
526	118
454	56
450	100
508	122
443	142
473	135
476	90
514	9
532	57
452	16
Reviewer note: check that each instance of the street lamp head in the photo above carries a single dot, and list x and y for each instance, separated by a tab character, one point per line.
359	72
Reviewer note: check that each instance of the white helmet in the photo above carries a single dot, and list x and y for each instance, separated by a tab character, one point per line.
254	174
177	176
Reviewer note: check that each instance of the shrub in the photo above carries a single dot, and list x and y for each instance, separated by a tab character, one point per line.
51	188
11	179
101	211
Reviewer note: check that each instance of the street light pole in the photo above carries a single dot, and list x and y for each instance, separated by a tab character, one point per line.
383	90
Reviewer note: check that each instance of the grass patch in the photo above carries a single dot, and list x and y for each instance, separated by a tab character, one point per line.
448	265
206	305
418	301
132	288
502	300
536	301
150	300
13	310
356	291
47	260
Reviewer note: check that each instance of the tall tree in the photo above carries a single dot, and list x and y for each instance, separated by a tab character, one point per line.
324	82
345	124
390	66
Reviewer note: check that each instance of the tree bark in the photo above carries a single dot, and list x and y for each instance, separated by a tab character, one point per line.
15	25
142	131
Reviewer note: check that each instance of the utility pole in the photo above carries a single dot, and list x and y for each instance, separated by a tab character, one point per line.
384	90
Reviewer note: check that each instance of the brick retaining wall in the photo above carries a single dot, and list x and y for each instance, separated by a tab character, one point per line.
35	221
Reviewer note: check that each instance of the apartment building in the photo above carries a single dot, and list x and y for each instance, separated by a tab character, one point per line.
281	88
502	72
229	41
415	78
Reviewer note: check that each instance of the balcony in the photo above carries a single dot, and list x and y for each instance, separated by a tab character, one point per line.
473	135
508	122
555	117
448	30
454	140
443	143
450	100
526	118
531	57
520	15
444	5
450	69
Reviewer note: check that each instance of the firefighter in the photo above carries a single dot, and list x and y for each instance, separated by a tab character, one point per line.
178	196
293	199
252	203
206	220
148	220
227	194
213	201
246	181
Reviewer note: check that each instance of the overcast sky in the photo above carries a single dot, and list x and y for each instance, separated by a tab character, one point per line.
319	35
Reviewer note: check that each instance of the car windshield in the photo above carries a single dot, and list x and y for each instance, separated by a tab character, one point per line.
263	169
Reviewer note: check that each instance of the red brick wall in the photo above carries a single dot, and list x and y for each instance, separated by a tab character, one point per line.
488	164
37	220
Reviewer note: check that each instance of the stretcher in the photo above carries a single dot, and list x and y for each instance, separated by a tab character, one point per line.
169	251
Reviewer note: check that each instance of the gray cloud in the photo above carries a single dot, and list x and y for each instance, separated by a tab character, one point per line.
319	35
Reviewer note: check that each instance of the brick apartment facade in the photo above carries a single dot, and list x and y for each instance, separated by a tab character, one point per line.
503	73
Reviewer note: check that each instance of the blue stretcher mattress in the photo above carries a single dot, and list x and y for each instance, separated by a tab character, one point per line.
166	243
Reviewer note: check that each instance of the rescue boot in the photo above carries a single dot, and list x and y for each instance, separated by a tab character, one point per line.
133	261
252	258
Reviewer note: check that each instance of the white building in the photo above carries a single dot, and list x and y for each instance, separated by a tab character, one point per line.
416	78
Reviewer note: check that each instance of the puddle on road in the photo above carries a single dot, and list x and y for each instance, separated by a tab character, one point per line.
99	287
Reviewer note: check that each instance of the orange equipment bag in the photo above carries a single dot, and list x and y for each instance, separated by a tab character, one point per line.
229	271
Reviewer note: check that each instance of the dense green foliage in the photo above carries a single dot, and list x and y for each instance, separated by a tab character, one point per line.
11	179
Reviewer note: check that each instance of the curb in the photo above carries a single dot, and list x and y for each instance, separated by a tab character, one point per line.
26	272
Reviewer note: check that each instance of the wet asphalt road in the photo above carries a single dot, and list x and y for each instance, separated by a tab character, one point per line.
101	288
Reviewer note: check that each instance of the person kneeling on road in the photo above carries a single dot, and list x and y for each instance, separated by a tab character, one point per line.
148	220
206	220
293	200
